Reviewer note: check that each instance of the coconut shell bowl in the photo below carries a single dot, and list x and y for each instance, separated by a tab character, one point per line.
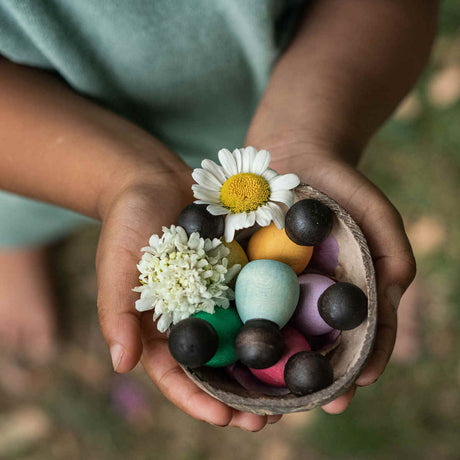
348	358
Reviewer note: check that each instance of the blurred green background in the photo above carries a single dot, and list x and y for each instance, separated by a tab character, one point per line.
79	409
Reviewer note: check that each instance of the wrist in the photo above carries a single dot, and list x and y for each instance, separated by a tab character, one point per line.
159	180
292	154
287	139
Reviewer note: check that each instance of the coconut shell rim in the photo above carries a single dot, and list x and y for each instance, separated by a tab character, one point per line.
269	405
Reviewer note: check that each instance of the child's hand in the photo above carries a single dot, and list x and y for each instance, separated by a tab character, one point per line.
90	160
348	66
384	230
127	225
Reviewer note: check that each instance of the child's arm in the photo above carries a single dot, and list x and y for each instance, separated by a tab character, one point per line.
348	67
59	147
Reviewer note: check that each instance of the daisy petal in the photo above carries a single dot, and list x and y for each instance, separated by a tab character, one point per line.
283	196
251	219
242	219
238	159
217	210
210	196
215	169
277	215
228	162
261	162
284	182
263	217
230	227
269	174
206	179
249	155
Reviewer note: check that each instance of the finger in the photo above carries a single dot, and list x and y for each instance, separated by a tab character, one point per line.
341	403
388	298
248	421
395	269
392	254
383	347
379	220
389	246
118	319
175	385
271	419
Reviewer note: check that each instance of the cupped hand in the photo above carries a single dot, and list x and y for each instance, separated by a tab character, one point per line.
383	228
131	219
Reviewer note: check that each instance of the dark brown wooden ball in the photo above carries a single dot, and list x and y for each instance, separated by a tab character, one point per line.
308	222
193	342
259	344
195	218
307	372
343	306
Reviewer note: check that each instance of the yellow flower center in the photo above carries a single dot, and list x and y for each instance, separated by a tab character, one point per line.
244	192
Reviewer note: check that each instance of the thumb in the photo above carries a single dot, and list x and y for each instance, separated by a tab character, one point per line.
118	319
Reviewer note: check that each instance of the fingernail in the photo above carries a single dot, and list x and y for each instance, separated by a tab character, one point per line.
117	352
394	294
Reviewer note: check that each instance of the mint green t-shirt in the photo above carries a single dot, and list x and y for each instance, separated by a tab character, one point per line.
191	72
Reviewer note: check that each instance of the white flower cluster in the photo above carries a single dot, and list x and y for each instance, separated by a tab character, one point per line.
183	275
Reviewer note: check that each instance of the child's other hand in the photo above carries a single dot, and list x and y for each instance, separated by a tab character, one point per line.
384	230
128	223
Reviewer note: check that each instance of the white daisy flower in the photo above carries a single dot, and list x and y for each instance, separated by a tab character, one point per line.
183	275
244	189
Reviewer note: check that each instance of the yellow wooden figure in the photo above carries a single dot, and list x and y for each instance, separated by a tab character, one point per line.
272	243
